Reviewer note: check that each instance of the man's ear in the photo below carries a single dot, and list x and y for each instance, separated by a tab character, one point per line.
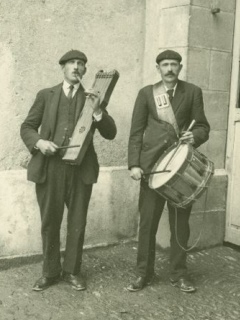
157	67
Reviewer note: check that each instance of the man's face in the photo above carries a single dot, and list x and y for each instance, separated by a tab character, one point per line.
169	70
73	67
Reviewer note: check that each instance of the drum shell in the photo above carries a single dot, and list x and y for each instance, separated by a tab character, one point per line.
189	182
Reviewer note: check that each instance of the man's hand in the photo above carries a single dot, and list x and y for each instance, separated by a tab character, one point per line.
136	173
94	97
48	148
187	137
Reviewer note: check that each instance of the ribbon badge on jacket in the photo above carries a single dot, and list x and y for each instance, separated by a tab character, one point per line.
164	107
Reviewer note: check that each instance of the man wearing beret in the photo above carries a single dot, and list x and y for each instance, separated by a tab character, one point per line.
150	136
48	126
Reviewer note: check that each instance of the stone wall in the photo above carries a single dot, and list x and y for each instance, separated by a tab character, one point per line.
205	42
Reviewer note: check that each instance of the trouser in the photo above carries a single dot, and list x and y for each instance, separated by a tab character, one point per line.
62	186
151	206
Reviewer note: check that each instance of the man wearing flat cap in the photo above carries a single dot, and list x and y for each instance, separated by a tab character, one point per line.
49	126
154	129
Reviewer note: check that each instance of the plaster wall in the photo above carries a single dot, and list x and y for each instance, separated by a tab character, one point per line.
36	33
112	215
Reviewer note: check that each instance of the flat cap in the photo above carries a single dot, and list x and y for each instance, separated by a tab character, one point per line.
168	54
73	54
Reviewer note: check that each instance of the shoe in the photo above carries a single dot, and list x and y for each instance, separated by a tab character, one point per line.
76	281
137	285
44	283
184	285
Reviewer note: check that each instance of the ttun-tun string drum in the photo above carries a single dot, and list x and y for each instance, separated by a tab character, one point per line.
187	175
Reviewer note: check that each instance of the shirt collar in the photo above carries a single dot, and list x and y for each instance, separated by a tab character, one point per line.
66	85
174	88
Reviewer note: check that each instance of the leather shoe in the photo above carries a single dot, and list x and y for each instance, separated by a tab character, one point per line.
44	282
184	285
137	285
76	281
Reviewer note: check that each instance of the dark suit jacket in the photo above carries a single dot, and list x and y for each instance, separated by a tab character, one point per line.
43	115
150	137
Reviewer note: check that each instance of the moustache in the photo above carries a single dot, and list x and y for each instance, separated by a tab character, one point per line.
170	74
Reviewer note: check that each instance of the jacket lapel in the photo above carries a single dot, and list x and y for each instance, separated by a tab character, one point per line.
178	97
80	103
53	107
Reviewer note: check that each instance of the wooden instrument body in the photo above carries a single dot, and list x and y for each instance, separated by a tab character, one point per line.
104	83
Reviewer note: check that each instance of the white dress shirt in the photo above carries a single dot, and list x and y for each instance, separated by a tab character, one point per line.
174	89
66	88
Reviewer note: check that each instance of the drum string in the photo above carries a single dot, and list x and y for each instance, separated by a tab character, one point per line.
201	231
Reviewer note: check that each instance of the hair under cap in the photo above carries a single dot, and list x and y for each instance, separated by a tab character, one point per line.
168	54
73	54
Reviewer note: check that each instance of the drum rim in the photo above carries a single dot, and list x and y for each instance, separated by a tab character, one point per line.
183	166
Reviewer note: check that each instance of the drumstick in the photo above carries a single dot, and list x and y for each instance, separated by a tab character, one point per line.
67	147
154	172
191	125
179	143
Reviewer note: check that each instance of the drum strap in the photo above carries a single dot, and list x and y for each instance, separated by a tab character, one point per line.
202	227
163	106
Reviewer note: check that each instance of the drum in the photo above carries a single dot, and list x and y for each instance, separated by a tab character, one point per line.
189	175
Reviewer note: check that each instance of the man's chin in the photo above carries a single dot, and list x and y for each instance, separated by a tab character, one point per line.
170	79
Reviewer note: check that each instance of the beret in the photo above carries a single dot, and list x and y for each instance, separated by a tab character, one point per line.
168	54
73	54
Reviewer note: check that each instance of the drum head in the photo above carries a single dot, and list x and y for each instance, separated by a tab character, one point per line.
159	179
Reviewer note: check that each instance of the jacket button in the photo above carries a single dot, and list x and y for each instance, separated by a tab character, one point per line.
165	141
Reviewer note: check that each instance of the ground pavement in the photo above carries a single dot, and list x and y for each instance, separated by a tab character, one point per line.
216	272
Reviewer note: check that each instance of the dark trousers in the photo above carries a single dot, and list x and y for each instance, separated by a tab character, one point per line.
151	206
62	186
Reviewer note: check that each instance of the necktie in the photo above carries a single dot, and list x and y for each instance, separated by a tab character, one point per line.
70	93
170	94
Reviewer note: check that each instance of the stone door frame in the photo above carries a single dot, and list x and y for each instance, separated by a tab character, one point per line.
232	232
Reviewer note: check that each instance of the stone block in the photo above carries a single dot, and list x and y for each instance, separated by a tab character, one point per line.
208	227
173	27
215	147
224	5
201	3
114	199
214	199
174	3
198	67
200	33
222	28
207	219
217	33
220	71
216	105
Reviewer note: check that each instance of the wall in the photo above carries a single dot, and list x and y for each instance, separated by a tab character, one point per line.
111	216
205	42
34	35
123	35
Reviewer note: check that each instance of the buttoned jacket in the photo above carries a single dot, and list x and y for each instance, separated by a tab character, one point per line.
41	123
150	136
